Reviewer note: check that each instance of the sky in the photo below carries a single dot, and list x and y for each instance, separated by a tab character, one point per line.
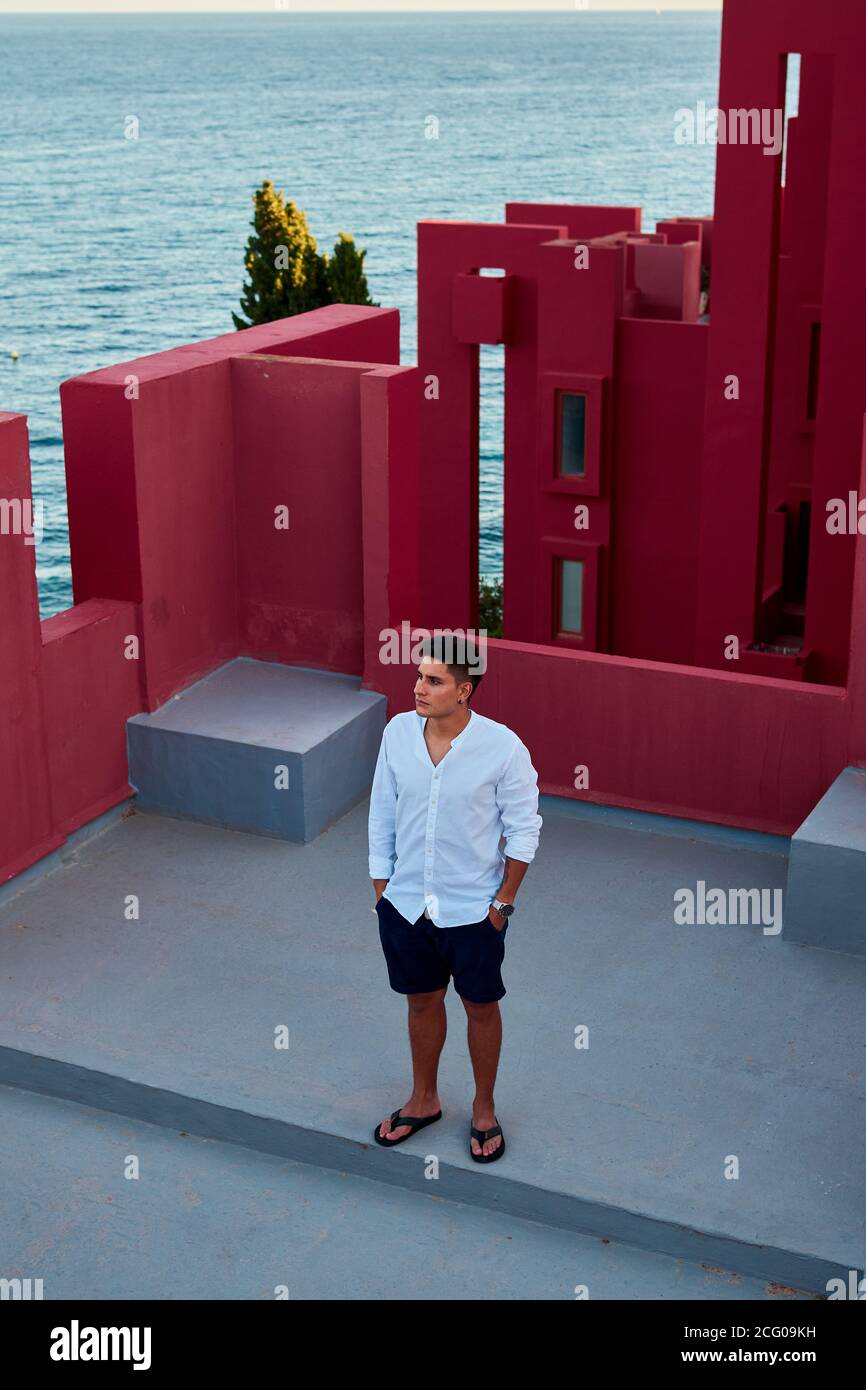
320	6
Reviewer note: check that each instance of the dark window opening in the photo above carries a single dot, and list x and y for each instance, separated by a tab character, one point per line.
796	563
571	451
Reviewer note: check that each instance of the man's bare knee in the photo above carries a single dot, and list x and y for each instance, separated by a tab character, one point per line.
419	1002
480	1011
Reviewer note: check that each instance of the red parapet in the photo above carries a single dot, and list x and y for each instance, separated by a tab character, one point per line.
181	468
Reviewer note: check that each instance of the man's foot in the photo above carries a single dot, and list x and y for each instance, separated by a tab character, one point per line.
483	1117
419	1106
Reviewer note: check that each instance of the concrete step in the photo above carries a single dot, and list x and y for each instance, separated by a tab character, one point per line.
203	1220
259	746
826	895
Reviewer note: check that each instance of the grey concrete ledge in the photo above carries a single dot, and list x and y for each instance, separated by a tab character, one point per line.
649	823
471	1185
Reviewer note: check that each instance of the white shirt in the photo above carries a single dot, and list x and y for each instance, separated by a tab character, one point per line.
434	831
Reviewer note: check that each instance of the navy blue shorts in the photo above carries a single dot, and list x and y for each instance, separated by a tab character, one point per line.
422	957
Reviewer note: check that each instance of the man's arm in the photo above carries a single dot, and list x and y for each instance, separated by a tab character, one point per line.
517	799
381	823
514	871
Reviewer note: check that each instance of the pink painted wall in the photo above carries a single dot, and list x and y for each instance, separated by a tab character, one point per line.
449	476
659	373
91	684
674	740
719	746
27	828
300	444
755	331
170	461
152	492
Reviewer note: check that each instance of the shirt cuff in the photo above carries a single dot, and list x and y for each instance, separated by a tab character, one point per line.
522	849
381	868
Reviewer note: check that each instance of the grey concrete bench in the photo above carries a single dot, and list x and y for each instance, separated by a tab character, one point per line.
825	901
258	746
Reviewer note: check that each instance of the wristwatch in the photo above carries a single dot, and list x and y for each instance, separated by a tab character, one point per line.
504	909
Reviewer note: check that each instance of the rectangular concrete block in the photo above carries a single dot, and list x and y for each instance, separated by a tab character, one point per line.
825	901
261	747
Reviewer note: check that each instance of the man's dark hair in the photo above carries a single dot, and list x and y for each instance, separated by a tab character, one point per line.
460	654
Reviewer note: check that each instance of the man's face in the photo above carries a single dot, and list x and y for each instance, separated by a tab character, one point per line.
436	690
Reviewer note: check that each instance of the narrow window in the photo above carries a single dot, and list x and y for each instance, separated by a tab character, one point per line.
572	434
571	596
792	105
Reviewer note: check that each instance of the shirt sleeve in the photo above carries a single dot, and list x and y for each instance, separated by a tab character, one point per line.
381	823
517	799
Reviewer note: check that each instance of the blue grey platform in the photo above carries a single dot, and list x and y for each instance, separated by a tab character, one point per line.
705	1043
825	904
259	746
205	1220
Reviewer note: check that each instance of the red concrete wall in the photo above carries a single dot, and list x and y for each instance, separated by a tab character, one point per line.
152	492
27	828
675	740
747	338
801	276
579	310
580	220
91	683
391	517
301	591
659	375
449	368
567	325
718	746
170	459
857	661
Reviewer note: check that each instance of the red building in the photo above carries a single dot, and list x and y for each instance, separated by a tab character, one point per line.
704	453
678	618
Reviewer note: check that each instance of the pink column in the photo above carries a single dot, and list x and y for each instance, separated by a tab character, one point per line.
26	829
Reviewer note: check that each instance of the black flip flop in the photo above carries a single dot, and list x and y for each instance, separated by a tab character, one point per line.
404	1120
482	1135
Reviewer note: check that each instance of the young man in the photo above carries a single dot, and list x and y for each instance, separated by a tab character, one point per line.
449	783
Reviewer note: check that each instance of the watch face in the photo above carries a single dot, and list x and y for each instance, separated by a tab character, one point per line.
506	909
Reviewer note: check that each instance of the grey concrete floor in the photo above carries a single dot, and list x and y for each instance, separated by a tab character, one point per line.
204	1220
706	1043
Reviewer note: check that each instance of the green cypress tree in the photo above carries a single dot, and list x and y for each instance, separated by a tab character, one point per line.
345	271
286	273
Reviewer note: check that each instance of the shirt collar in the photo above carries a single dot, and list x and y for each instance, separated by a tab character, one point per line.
473	718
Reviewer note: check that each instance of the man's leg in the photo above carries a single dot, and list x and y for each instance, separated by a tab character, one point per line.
427	1027
484	1032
